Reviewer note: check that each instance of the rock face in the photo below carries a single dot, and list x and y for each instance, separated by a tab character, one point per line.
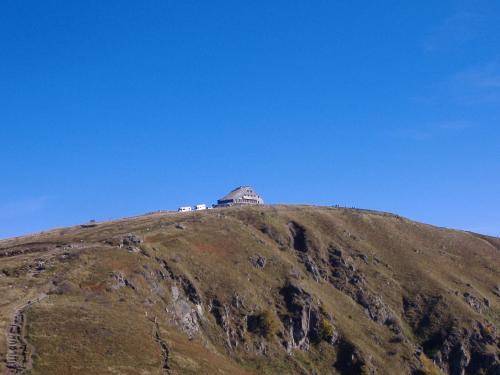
346	278
184	313
349	360
253	290
474	302
298	237
185	309
460	352
131	242
303	320
456	350
231	319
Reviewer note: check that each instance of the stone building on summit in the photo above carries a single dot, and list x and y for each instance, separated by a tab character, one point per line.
241	196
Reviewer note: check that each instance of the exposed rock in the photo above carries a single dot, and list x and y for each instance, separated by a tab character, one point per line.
350	361
184	313
175	292
186	308
298	237
374	305
312	268
121	281
275	235
131	242
303	320
457	350
258	261
187	285
226	320
40	265
190	290
243	318
475	302
237	301
363	257
496	290
347	279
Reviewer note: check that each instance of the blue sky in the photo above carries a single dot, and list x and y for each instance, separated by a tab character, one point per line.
111	109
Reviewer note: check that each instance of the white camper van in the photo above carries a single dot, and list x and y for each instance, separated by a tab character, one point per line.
200	207
185	209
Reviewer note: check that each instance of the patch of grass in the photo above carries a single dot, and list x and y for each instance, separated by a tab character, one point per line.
269	324
428	367
327	329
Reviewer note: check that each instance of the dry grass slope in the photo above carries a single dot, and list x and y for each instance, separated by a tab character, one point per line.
267	289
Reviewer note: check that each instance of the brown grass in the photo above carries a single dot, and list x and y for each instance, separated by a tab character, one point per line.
92	327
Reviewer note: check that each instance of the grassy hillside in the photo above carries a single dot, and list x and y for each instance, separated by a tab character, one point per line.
255	290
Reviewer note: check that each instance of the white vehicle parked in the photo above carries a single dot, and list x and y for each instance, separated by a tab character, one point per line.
200	207
185	209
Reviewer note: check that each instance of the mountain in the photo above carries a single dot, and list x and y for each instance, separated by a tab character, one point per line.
251	290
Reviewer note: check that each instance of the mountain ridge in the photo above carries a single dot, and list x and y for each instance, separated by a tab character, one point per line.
263	289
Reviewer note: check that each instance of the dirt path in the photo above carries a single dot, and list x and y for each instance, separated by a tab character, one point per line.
18	349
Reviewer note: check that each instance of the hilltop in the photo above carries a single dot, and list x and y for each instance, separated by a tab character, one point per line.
251	290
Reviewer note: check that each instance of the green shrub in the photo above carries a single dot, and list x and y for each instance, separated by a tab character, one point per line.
327	330
268	323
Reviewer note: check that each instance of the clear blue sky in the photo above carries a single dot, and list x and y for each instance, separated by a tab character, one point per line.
116	108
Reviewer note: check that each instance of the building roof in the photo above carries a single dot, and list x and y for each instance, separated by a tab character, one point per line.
246	192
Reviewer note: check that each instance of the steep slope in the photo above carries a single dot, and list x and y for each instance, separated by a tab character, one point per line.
265	289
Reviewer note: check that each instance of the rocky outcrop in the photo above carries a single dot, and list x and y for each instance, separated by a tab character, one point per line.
189	290
120	281
184	313
185	308
291	290
453	347
275	235
350	361
312	267
298	237
496	290
346	278
459	351
130	242
478	305
258	261
303	320
232	319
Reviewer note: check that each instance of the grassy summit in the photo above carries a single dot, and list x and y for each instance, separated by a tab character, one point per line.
264	289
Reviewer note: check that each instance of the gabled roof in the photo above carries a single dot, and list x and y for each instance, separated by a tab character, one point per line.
243	195
238	193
